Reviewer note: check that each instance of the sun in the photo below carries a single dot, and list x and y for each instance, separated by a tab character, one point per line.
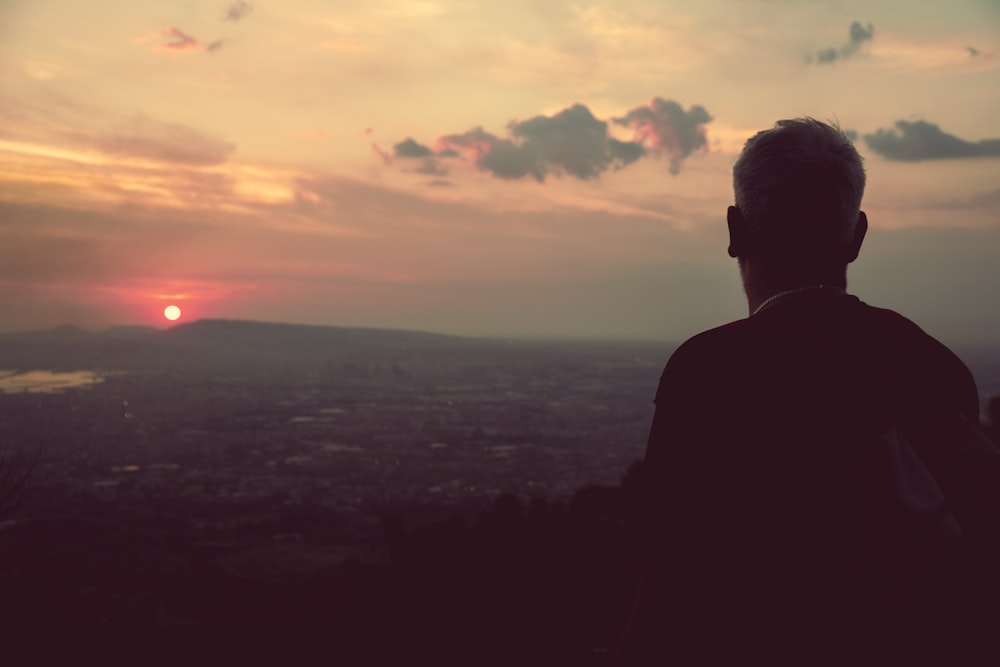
172	313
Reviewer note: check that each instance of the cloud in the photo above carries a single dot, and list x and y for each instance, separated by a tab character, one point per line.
973	51
410	148
667	129
382	153
237	10
919	140
156	140
575	142
502	157
181	41
571	142
432	167
216	45
857	36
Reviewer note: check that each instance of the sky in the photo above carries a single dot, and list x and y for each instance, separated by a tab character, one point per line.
556	169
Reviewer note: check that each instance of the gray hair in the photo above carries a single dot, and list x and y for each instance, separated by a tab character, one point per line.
800	180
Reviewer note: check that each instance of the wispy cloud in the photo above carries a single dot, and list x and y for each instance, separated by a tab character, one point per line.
572	142
937	56
178	40
915	141
237	10
382	153
156	140
857	35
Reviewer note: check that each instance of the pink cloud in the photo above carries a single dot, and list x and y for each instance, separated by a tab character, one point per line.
666	128
181	41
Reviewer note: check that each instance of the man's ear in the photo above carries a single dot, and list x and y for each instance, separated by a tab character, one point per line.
737	232
860	229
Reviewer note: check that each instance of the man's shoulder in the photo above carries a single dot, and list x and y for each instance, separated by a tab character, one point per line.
709	344
871	340
848	324
852	315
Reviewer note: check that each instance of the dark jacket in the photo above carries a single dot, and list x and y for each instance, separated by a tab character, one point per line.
754	527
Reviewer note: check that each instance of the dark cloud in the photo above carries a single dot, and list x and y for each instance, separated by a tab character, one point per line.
827	56
156	140
216	45
857	35
973	51
504	158
667	129
572	142
919	140
432	167
410	148
575	142
860	34
509	160
180	40
237	10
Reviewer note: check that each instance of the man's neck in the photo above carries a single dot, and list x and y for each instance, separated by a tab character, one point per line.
763	289
777	297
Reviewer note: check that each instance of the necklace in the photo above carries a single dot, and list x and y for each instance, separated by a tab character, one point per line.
774	297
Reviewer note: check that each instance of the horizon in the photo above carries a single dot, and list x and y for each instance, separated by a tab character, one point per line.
961	348
208	320
557	172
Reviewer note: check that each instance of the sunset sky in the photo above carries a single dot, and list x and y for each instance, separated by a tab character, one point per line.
517	168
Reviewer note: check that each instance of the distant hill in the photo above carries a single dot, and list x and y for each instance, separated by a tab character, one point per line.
266	334
232	345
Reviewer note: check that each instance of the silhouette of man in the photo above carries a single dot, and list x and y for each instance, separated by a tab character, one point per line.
754	534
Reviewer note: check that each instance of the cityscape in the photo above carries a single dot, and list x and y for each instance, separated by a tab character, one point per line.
267	453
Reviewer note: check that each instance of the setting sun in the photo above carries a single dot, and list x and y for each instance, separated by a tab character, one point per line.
172	313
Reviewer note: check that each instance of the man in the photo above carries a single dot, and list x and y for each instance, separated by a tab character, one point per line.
759	482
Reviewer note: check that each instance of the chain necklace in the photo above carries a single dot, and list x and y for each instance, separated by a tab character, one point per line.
774	297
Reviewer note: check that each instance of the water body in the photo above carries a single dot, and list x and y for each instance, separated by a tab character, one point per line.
46	382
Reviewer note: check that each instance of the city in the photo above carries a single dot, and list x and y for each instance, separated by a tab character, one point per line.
264	454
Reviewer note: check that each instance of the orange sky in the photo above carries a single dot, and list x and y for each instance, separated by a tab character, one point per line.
567	172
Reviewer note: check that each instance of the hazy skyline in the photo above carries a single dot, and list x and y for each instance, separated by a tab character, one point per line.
466	167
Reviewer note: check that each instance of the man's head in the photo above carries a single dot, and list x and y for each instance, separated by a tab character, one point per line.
798	189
